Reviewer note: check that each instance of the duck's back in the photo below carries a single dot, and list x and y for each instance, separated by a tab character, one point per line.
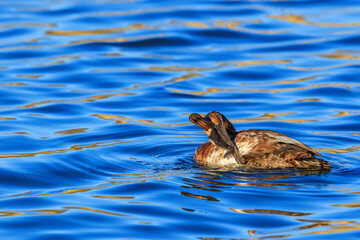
269	149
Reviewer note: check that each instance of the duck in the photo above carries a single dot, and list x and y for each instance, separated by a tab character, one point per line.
252	148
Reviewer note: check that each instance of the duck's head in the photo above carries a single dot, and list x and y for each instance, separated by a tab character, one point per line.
220	132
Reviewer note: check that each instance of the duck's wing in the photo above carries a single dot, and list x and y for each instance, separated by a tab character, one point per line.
284	139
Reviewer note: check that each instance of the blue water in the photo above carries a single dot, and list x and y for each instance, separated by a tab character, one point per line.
95	141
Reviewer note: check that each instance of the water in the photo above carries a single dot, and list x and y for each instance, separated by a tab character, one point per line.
95	137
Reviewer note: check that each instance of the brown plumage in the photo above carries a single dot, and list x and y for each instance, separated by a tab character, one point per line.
250	148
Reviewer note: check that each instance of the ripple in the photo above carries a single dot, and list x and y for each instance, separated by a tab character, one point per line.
94	123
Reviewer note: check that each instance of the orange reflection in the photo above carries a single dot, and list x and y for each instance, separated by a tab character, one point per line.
309	100
198	196
251	90
194	24
123	179
50	63
324	67
340	54
74	101
6	118
330	226
219	65
345	150
29	76
235	26
113	54
124	120
13	84
333	225
342	114
95	32
171	69
270	211
284	81
273	117
10	214
65	150
351	205
254	63
18	133
298	19
56	211
121	39
98	211
72	131
301	79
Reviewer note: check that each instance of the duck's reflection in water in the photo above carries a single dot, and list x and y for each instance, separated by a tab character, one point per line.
216	181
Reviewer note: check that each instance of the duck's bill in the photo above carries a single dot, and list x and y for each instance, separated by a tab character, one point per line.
201	122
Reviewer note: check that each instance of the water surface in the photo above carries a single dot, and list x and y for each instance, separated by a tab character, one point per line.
94	130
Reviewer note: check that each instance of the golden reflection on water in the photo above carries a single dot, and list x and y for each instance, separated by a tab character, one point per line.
38	39
7	118
251	90
113	54
29	76
254	63
123	179
98	211
56	211
76	100
273	117
329	226
193	24
345	113
172	69
125	120
298	19
95	32
270	211
344	150
309	100
16	84
217	66
64	150
72	131
231	25
16	133
13	84
324	67
119	39
350	205
300	79
78	42
198	196
340	54
48	64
